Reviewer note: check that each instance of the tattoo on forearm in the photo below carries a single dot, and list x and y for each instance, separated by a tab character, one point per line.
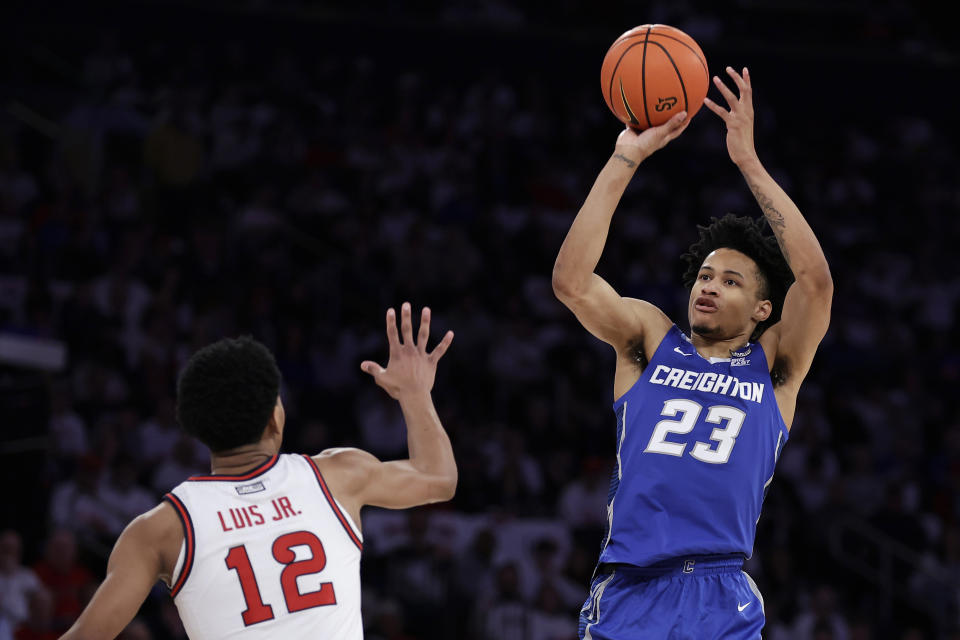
774	217
630	163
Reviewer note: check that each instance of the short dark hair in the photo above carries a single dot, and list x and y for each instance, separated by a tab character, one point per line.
226	393
746	235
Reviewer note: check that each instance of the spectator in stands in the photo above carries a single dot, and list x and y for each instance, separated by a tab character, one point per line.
17	582
506	614
77	504
64	577
40	622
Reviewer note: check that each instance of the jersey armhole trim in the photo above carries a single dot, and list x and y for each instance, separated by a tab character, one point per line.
333	504
189	540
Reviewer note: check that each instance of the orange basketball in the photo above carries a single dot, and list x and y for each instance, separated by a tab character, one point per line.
651	72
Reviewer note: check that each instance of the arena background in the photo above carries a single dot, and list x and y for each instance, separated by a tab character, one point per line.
172	172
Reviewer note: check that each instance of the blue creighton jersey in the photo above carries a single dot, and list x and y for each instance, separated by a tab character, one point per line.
697	442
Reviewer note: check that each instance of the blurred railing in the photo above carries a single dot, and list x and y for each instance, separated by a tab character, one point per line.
901	575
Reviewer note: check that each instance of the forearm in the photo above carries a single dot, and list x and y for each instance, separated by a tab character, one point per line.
583	246
797	241
428	444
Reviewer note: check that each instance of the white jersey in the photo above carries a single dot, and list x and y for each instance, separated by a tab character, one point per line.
267	554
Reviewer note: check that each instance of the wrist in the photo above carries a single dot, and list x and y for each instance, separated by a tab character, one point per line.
749	165
630	152
415	398
625	160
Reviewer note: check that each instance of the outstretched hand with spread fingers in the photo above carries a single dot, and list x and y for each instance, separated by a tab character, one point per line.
410	369
739	119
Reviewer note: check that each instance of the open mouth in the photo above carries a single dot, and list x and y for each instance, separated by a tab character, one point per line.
705	304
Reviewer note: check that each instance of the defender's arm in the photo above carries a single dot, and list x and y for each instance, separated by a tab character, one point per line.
430	472
135	565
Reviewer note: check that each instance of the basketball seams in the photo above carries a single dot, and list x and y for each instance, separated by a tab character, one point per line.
650	29
632	33
700	58
683	87
613	74
633	81
643	76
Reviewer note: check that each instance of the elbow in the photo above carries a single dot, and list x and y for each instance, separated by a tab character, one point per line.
560	285
448	488
817	282
823	284
445	488
564	287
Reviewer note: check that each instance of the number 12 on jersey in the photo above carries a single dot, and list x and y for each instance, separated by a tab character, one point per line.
689	411
238	560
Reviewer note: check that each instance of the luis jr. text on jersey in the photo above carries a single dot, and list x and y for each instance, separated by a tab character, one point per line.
252	516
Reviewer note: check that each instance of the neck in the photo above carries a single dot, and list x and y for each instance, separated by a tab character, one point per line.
240	459
718	347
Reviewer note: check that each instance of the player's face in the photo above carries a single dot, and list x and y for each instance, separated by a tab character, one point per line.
725	300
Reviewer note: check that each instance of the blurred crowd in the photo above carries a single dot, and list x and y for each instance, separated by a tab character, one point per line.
169	194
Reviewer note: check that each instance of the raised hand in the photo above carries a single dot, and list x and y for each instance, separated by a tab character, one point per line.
739	119
637	146
410	370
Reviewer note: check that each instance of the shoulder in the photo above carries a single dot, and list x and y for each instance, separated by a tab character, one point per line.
345	457
156	534
345	469
770	340
156	523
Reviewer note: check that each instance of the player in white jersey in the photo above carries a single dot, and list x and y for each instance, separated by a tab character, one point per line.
268	545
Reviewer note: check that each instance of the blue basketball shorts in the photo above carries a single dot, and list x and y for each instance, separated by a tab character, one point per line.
701	597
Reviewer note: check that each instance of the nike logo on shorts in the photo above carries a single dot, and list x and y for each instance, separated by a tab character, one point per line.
741	607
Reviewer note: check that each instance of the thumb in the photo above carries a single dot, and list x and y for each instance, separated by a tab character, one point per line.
371	367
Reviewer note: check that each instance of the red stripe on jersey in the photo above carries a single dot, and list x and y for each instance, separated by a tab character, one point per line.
266	466
188	538
333	504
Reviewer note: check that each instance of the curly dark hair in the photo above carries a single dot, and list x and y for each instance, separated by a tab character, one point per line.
747	236
226	393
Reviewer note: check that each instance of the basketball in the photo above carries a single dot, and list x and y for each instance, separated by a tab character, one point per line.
652	72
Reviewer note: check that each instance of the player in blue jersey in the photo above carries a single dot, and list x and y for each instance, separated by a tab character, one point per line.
701	418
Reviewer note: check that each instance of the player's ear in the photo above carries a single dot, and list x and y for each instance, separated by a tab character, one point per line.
278	418
279	415
763	310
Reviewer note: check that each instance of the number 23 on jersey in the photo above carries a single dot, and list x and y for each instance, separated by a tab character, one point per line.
724	436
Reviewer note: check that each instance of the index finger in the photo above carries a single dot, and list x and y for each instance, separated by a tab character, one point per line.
442	346
392	338
738	79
